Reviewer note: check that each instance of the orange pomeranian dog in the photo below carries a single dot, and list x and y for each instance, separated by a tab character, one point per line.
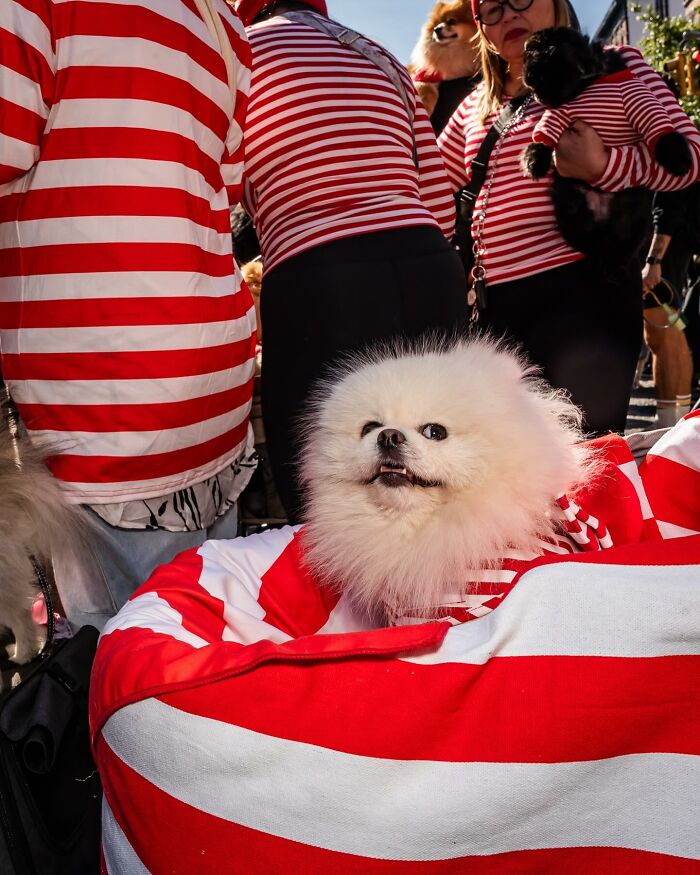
445	61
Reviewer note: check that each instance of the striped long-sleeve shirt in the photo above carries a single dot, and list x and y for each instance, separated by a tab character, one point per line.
247	720
328	148
620	106
520	232
127	334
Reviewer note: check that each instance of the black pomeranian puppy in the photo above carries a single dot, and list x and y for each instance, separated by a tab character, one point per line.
579	79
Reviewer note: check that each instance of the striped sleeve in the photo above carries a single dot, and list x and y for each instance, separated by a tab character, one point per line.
551	126
27	68
648	116
632	166
452	142
433	185
232	161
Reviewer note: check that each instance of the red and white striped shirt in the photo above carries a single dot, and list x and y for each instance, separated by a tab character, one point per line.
245	719
127	334
328	149
520	233
621	108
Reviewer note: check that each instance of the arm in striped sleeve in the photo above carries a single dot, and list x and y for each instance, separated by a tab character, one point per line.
27	71
451	142
630	166
232	164
435	191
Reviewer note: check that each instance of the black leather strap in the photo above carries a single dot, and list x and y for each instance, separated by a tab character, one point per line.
466	197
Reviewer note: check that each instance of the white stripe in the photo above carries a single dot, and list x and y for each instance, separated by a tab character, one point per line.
138	54
232	571
118	284
120	229
146	391
143	114
22	91
408	810
150	611
565	609
120	857
17	153
680	444
142	443
70	172
631	471
138	338
669	531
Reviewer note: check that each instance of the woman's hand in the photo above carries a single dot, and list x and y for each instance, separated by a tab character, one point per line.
581	153
651	277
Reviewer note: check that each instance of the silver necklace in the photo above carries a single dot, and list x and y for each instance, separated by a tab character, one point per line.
478	290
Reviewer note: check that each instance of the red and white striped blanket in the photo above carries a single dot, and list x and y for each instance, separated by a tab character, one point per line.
245	721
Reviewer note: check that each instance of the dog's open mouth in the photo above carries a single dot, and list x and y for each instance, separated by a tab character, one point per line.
392	474
445	37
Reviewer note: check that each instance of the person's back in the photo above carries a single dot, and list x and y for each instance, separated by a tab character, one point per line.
328	145
352	205
123	320
127	335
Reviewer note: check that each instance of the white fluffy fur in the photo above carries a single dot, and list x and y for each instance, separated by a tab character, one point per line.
511	448
34	519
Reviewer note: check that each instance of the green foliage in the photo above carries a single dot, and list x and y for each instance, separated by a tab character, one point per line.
662	41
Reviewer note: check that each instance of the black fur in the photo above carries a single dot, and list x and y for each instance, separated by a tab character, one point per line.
559	64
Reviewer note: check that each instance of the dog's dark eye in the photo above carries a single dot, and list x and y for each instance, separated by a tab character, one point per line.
451	22
368	427
434	432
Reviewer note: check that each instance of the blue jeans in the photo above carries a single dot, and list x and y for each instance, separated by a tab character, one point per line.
123	559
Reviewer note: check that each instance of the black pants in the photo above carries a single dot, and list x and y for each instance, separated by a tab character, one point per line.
584	331
339	297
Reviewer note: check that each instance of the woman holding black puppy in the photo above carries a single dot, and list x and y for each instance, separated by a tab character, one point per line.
581	326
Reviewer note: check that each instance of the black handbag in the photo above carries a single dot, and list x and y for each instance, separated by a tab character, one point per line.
50	792
466	197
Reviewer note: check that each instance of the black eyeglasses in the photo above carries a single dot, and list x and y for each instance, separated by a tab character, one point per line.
491	11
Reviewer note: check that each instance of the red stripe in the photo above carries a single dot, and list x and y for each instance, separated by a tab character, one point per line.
289	581
20	123
8	172
202	614
108	257
673	491
112	200
133	417
125	469
115	20
139	365
530	709
126	83
143	143
174	838
113	311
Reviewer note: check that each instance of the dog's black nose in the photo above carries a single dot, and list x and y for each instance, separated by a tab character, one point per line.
390	438
439	31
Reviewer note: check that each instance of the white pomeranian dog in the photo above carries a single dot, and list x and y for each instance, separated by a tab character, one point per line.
422	465
35	524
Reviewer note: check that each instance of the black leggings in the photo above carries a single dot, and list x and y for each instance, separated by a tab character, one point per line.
339	297
585	332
